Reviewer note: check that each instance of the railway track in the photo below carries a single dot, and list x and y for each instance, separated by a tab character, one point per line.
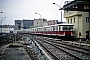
40	51
57	53
76	53
74	48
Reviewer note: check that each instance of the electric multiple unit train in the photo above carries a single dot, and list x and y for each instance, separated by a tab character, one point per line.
57	30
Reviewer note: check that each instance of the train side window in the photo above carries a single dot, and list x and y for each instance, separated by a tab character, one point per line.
59	29
53	28
49	29
56	28
44	29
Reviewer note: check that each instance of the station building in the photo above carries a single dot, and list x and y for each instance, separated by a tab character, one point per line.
77	13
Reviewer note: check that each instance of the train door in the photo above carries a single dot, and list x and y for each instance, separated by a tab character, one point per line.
87	34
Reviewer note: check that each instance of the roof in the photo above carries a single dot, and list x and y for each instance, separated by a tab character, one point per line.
7	26
79	4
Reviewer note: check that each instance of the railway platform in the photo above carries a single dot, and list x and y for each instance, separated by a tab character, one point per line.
14	51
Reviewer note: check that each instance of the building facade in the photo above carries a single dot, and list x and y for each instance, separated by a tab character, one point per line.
23	24
76	12
40	22
27	23
80	21
44	22
18	24
6	28
52	22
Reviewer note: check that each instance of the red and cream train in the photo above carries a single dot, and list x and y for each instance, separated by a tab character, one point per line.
57	30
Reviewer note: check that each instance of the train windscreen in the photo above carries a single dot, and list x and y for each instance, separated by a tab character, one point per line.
67	28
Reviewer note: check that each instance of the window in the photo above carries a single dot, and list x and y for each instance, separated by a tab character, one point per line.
59	28
53	28
74	20
87	34
68	20
44	29
87	19
86	7
71	20
56	28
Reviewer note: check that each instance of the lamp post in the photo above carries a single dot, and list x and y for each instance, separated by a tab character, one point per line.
1	24
59	9
38	14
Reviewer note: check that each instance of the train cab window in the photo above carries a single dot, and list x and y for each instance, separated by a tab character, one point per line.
70	28
65	28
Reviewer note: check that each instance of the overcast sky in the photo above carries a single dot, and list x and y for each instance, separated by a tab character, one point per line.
25	9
